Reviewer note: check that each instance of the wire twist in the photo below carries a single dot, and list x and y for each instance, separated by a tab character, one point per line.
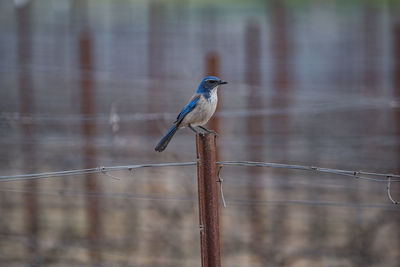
369	176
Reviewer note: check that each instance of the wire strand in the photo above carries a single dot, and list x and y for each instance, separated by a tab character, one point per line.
370	176
354	174
88	171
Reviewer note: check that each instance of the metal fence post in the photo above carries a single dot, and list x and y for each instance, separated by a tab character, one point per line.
88	95
32	209
208	200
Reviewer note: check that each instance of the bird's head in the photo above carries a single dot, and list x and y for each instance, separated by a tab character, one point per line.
209	83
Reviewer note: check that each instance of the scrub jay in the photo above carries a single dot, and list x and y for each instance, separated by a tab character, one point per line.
197	112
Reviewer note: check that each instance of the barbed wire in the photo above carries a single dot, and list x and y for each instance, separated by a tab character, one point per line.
362	175
389	194
355	174
370	176
101	169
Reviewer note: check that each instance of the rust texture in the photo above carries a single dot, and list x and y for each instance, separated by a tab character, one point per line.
396	71
396	85
28	148
88	131
208	200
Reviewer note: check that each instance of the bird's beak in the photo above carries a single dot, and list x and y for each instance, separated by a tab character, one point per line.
223	82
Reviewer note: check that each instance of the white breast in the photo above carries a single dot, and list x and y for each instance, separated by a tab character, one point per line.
214	96
203	111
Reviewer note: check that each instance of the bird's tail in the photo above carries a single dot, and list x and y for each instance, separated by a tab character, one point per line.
165	140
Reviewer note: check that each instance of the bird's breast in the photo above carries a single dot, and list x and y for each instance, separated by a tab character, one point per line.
213	99
203	111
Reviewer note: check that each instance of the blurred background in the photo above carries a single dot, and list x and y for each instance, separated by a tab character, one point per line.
88	83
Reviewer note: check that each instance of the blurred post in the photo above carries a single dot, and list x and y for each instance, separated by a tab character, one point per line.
371	43
255	135
212	68
396	84
31	216
281	47
88	128
156	101
396	72
281	53
208	200
156	62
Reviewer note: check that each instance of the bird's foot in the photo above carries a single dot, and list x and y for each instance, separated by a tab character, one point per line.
193	129
214	132
209	131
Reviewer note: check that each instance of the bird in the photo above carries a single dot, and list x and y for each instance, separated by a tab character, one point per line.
197	112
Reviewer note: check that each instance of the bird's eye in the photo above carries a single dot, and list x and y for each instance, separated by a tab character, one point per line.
212	81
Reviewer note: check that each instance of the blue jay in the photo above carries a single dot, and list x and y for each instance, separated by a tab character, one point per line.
197	112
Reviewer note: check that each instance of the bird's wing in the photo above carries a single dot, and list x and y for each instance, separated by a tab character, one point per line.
189	107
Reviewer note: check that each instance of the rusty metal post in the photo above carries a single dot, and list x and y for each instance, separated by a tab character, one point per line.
28	147
88	94
396	111
396	69
208	200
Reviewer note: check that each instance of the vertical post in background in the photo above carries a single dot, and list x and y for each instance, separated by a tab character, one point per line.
371	52
255	137
396	71
281	47
212	68
281	53
156	61
31	205
208	200
361	233
396	85
88	131
157	49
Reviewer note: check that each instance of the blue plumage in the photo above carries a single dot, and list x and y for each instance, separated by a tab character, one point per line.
197	112
189	107
165	140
